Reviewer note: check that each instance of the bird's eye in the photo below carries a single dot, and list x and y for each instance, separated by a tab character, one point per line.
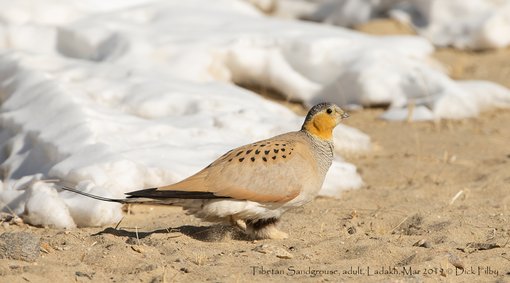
329	111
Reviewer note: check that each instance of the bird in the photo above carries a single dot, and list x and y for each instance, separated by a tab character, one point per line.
251	186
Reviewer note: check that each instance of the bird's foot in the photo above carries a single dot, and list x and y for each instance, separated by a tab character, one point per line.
264	229
238	223
271	232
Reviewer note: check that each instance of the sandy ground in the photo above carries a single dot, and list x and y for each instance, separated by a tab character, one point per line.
436	207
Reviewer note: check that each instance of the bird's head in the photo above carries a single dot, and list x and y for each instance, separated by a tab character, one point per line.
322	119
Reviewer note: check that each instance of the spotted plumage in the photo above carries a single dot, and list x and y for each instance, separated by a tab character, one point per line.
267	179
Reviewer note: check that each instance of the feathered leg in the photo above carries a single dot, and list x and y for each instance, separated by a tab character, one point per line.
264	229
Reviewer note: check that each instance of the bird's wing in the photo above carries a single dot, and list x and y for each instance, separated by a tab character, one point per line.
267	171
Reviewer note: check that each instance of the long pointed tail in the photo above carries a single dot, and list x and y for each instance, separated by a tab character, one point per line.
93	196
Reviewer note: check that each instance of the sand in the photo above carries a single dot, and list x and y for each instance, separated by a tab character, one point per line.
435	207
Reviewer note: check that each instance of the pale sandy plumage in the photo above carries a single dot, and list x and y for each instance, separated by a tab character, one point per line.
252	185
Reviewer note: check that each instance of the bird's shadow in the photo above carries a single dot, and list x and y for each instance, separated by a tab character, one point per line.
213	233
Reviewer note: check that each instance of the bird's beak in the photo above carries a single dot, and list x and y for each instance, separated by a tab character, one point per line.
341	112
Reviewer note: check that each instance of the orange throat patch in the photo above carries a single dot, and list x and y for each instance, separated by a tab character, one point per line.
321	126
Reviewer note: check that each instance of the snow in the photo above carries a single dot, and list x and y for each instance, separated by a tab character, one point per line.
474	24
115	96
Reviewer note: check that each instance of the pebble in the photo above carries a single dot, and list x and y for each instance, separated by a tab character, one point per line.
18	221
46	248
278	252
19	246
137	249
83	274
423	243
455	261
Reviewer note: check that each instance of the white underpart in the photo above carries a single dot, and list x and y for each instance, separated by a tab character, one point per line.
216	209
246	209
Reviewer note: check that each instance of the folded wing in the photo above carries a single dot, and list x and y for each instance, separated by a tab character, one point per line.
267	171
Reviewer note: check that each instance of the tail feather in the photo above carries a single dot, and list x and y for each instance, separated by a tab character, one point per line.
152	196
155	193
93	196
